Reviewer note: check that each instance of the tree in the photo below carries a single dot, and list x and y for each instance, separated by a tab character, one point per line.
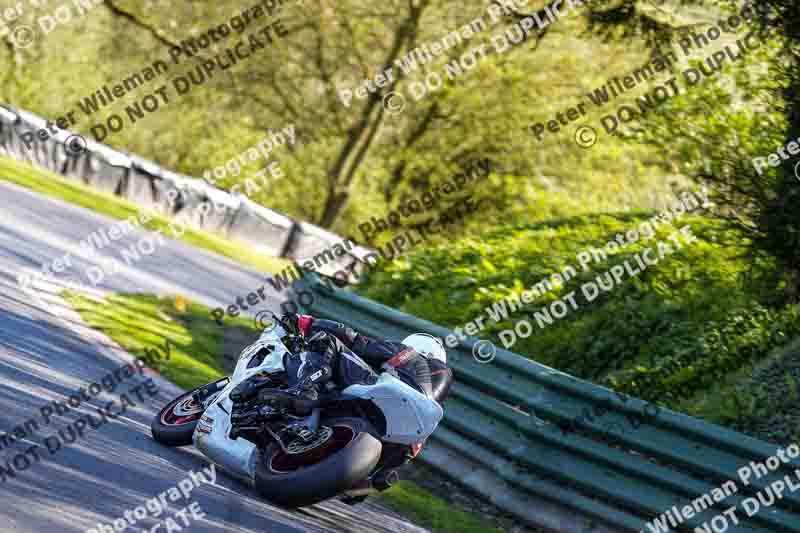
780	220
355	160
717	128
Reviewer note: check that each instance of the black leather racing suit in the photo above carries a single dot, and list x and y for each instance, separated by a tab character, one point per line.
346	351
347	358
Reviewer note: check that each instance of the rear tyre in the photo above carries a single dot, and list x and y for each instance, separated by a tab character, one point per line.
347	457
174	425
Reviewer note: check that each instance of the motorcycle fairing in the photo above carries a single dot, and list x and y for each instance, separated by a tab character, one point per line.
411	417
238	456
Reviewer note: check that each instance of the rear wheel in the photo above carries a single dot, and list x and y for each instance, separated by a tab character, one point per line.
344	452
174	425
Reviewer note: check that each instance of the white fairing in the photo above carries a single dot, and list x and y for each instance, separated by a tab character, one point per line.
237	456
411	416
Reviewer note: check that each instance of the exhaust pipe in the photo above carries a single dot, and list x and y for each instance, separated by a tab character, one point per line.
374	485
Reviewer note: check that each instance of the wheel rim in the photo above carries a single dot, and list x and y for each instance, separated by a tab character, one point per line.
281	462
184	411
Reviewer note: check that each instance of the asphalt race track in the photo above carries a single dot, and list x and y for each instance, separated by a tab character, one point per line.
46	355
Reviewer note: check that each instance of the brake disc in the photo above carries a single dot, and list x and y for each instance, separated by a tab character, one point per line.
299	446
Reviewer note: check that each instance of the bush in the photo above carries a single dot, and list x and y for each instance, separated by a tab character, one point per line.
662	335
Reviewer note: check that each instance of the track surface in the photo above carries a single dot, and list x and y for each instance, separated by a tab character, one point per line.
46	354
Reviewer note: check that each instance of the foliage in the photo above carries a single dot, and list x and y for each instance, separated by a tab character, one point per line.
746	335
760	399
677	330
333	46
747	109
667	333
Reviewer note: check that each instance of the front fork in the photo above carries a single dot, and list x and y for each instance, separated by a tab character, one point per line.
202	395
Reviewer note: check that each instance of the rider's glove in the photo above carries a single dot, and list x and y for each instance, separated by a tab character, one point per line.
318	360
323	343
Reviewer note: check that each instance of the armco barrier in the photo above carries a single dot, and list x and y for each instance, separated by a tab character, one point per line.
145	183
500	438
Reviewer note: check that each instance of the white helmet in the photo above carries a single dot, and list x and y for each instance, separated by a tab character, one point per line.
427	345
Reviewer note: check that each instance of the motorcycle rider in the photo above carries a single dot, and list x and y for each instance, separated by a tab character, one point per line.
337	356
338	353
401	407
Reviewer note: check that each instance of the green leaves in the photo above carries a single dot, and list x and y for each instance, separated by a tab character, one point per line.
675	329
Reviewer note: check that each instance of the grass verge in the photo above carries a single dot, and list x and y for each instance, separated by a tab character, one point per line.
139	321
73	192
430	512
204	352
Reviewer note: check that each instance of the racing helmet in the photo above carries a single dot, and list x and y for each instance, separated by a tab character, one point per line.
427	345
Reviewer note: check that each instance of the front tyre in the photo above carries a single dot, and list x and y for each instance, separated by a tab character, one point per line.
347	455
174	425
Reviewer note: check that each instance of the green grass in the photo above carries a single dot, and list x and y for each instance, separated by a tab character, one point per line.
50	184
137	321
431	512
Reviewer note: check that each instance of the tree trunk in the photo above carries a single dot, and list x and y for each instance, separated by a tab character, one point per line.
363	133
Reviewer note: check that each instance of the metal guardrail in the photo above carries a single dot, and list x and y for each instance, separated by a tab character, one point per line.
501	438
147	184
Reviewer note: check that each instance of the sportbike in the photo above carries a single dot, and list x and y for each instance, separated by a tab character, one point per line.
294	450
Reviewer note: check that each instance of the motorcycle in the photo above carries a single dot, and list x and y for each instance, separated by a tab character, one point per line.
296	451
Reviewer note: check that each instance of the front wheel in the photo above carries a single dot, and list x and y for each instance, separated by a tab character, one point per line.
174	425
344	453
